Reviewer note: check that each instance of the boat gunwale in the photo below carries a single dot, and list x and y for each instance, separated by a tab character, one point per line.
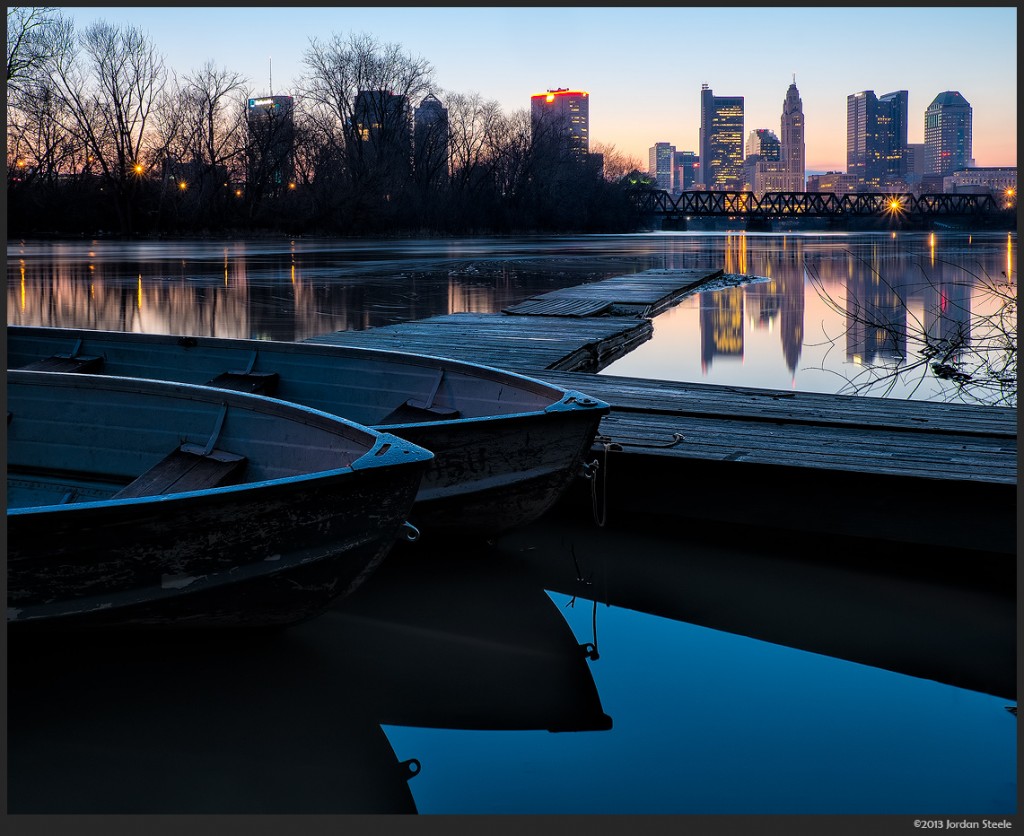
383	448
530	384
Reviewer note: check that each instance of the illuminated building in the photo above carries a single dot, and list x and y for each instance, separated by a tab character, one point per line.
721	141
876	138
661	157
792	140
763	168
565	114
270	158
687	165
994	180
834	182
947	134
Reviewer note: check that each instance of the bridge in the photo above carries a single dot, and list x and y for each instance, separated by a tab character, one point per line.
901	208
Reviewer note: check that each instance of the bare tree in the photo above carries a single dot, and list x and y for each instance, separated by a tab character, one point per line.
617	164
30	42
109	86
201	138
364	90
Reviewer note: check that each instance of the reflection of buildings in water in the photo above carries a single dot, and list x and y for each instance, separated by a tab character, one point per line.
779	304
721	325
736	254
876	320
470	298
792	287
947	312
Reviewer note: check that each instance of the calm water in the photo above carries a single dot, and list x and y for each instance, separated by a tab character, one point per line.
731	672
804	319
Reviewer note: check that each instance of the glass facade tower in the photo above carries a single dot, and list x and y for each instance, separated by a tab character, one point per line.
947	134
721	141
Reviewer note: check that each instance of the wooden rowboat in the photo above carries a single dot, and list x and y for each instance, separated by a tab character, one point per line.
153	503
505	446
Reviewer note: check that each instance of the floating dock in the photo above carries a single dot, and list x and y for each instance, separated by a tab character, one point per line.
922	472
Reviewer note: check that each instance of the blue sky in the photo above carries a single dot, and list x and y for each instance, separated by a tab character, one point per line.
643	66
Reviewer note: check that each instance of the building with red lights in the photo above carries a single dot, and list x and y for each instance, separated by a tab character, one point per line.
565	114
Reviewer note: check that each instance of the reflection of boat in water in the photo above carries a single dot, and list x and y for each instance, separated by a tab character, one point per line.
505	446
185	726
940	614
459	640
291	723
149	503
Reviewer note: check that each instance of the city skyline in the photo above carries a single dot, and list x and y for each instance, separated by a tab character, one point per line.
640	94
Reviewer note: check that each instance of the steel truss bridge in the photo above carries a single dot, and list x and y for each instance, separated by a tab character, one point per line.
778	205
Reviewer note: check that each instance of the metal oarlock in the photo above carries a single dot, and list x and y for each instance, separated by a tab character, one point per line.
410	532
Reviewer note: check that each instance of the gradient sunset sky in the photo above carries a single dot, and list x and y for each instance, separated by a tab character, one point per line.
643	66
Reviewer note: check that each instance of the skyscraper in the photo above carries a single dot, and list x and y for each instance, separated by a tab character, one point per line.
661	160
382	130
792	139
721	141
565	114
892	131
270	150
430	139
687	165
876	138
763	168
947	134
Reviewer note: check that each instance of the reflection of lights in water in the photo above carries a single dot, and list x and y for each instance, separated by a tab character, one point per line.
1009	257
140	292
22	287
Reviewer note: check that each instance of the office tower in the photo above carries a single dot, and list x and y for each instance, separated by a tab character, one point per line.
721	141
792	139
661	157
763	143
563	114
687	166
430	139
947	134
876	138
270	150
892	132
382	130
763	167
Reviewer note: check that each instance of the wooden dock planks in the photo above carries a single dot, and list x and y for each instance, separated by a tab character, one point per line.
961	454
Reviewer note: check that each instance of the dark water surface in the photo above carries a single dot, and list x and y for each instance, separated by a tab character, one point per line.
565	668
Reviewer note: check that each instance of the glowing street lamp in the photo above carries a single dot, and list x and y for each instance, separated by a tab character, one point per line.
138	168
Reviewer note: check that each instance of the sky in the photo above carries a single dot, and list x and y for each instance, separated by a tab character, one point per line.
643	66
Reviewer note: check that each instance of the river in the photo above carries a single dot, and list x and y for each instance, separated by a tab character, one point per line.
735	673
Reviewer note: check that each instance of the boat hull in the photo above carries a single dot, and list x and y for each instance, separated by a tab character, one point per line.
511	449
268	552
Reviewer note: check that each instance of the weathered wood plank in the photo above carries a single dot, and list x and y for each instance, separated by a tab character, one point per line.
809	432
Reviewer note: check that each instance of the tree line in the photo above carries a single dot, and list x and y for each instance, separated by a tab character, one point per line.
103	136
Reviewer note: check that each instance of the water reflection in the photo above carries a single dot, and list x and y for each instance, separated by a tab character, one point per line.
829	312
290	722
855	314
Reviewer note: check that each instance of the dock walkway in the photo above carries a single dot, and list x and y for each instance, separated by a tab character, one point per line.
921	471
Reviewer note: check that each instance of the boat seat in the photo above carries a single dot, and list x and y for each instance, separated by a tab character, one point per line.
259	383
57	363
413	411
189	468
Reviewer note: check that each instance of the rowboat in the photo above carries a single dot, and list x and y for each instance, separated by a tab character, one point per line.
141	502
505	446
